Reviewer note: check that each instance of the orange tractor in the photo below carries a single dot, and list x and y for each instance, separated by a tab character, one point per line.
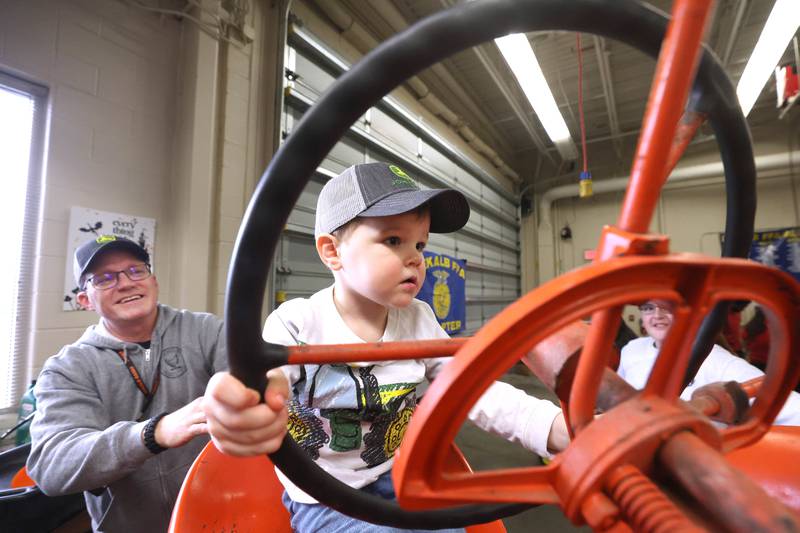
651	462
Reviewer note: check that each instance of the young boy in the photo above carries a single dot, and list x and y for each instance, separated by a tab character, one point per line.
372	225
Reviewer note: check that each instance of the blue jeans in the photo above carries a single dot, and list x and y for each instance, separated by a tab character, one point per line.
316	518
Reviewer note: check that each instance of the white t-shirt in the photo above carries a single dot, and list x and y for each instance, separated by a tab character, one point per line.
351	418
639	356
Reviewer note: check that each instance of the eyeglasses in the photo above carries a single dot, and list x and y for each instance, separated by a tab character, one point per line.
109	280
650	308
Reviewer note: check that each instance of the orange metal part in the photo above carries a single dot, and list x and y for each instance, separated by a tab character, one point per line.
724	402
771	462
728	498
689	124
628	486
22	479
774	463
630	434
751	387
696	282
227	494
673	78
554	361
375	351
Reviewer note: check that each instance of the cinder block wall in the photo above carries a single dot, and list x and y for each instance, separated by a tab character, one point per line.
112	72
149	116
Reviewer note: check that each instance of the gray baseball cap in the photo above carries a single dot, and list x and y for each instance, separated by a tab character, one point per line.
380	190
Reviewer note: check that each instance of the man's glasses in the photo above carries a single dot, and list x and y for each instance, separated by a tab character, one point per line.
650	308
109	280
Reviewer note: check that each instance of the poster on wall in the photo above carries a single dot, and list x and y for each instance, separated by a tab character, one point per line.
86	224
777	247
445	290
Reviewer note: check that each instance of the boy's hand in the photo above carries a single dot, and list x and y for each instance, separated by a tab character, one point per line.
558	439
238	423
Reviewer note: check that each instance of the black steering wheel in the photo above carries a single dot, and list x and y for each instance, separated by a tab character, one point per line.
394	61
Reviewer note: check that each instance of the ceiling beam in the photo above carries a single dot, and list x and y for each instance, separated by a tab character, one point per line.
497	77
387	11
505	90
741	9
607	82
608	89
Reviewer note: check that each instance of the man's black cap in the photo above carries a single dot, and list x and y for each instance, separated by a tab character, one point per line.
88	251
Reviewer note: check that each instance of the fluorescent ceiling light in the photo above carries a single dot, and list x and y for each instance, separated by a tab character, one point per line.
778	31
519	55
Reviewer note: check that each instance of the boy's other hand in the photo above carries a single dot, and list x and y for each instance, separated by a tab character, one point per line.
558	439
238	423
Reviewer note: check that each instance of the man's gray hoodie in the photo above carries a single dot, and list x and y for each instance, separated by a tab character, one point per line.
85	436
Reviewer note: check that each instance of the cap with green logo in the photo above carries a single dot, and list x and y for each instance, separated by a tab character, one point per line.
380	190
89	251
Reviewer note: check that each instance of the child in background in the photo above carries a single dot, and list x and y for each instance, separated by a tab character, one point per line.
639	356
756	339
732	330
372	224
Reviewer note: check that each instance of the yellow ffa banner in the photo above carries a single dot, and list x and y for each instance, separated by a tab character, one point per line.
445	290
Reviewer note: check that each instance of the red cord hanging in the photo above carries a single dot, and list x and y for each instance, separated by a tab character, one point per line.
585	181
580	101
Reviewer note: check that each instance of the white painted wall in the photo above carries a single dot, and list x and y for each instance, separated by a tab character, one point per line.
691	213
149	116
111	71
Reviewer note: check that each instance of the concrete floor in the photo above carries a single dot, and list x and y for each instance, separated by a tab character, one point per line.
487	452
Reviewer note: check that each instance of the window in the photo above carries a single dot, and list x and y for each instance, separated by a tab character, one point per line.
22	106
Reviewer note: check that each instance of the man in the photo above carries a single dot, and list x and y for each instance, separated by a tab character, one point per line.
118	412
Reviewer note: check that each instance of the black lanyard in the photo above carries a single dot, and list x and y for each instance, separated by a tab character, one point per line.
137	379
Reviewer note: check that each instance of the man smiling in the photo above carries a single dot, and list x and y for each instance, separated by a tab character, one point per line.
129	389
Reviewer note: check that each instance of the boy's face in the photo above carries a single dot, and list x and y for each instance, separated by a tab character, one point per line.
381	258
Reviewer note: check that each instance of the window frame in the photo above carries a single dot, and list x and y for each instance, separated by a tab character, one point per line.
21	366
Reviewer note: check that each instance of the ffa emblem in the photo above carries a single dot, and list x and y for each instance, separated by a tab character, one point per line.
396	431
306	429
441	294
